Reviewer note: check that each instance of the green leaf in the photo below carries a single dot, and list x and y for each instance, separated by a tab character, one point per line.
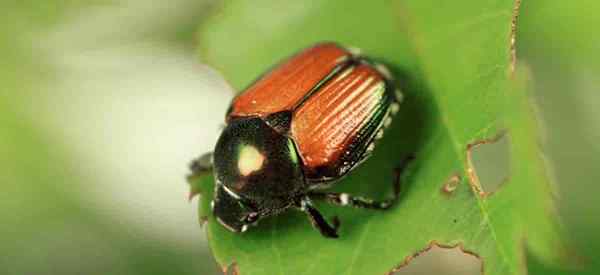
562	51
453	61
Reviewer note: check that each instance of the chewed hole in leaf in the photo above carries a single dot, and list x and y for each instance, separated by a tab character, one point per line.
438	259
451	184
489	163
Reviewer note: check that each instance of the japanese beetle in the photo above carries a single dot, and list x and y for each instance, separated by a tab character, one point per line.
296	130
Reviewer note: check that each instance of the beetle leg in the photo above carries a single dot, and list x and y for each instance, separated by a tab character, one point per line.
318	221
345	199
201	165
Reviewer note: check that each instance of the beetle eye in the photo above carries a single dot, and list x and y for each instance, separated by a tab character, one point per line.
251	218
249	208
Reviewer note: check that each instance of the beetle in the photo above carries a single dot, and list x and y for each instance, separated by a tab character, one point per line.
297	130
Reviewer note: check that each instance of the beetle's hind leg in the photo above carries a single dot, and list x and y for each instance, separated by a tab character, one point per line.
344	199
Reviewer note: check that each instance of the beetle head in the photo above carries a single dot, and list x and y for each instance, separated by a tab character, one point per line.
232	211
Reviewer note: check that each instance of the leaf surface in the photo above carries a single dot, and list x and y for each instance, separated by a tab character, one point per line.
454	63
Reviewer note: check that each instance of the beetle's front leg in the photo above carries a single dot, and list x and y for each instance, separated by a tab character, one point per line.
317	220
199	167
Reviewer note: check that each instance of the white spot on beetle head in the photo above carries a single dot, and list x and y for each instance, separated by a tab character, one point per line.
250	160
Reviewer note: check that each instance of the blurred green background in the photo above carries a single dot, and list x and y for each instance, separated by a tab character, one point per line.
103	103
